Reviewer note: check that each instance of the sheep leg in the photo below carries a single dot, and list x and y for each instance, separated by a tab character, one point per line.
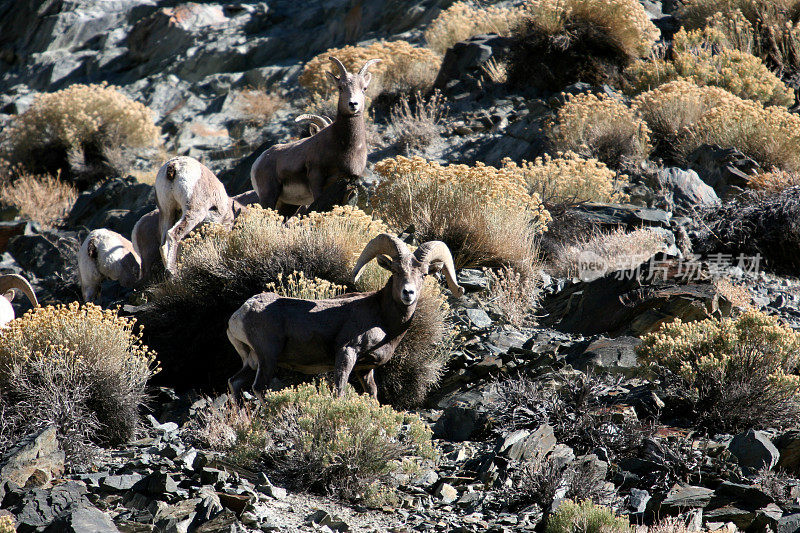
246	374
343	366
371	387
267	363
169	250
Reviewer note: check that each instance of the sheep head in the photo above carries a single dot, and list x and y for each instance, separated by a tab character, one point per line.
408	270
351	87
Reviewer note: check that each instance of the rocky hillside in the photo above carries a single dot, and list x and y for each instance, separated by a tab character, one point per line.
618	182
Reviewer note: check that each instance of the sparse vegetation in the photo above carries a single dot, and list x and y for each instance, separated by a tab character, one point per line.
79	368
403	68
189	312
484	214
774	182
734	373
586	517
616	250
78	122
417	124
601	127
42	199
704	57
586	40
462	20
258	105
542	481
515	294
313	440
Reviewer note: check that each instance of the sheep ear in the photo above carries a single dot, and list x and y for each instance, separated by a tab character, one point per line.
366	77
333	78
435	267
384	262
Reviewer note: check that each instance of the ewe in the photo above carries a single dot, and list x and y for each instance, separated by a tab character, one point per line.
106	254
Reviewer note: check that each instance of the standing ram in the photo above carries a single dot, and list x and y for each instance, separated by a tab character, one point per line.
187	193
353	332
294	174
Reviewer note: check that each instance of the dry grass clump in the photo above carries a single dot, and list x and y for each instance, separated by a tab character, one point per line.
219	269
615	250
704	57
42	199
770	135
417	124
586	517
484	214
74	122
79	368
766	28
586	40
462	20
600	127
515	294
569	178
404	68
339	445
760	224
259	106
7	524
775	181
677	105
734	373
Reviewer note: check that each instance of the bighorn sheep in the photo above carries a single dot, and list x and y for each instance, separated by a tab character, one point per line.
318	122
294	174
106	254
187	193
10	285
146	241
352	332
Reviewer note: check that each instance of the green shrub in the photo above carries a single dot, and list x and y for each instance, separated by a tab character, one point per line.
79	368
735	373
79	121
585	517
314	440
219	269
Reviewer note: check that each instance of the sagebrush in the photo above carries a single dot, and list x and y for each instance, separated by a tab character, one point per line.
79	368
586	517
43	199
463	20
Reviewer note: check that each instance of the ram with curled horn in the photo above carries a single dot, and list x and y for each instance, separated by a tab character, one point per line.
10	286
289	177
355	332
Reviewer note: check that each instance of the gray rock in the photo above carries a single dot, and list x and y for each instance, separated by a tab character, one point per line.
687	190
625	216
224	522
637	502
120	483
461	65
524	445
615	354
82	520
325	519
472	279
754	451
478	318
39	508
446	493
789	523
35	462
157	485
458	423
684	497
125	197
751	496
727	170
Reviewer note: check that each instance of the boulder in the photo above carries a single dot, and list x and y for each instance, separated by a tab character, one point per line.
524	445
754	451
38	508
788	445
681	498
727	170
611	216
83	519
35	462
618	354
116	204
687	190
462	64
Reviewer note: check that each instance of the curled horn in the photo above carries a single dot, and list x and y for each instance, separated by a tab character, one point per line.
367	65
342	70
321	121
438	251
383	244
18	283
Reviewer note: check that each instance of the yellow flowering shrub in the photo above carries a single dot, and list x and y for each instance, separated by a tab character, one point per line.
484	214
220	268
78	367
676	105
771	135
704	57
601	127
569	178
737	373
586	517
7	524
340	445
77	117
462	20
404	68
625	22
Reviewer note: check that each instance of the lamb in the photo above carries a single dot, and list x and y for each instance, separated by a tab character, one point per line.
145	238
187	193
353	332
294	174
106	254
10	285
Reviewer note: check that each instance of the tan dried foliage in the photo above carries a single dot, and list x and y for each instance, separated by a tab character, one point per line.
43	199
462	20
